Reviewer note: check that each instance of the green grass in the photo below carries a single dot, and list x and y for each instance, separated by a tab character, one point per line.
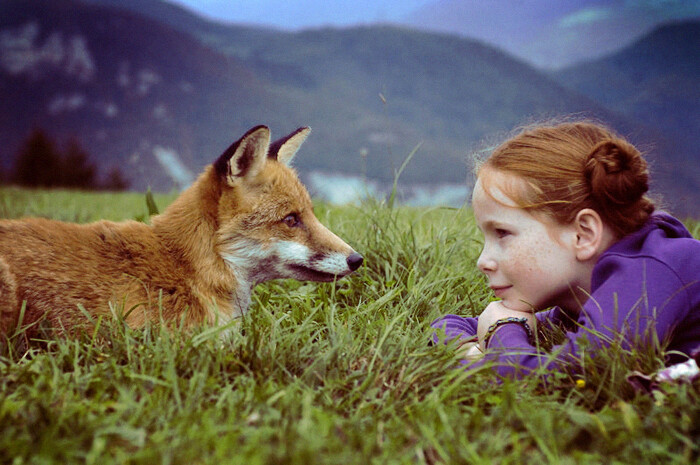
325	373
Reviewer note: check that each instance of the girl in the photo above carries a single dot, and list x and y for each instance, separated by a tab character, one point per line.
567	225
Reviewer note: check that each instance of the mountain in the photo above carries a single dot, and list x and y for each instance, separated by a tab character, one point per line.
552	34
383	90
233	39
656	81
159	92
131	89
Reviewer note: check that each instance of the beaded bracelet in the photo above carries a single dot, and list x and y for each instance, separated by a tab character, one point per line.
522	321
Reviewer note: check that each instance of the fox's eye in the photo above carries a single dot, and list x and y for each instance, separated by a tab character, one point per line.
292	220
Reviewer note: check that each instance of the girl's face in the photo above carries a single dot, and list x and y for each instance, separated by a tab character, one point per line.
529	260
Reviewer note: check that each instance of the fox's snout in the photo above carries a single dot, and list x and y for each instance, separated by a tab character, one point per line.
355	261
298	261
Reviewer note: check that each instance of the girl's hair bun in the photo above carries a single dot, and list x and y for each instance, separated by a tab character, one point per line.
616	173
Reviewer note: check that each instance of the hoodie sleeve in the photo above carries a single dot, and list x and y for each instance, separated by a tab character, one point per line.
453	327
638	300
458	327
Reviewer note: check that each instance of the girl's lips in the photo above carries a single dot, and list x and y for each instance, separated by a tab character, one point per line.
498	290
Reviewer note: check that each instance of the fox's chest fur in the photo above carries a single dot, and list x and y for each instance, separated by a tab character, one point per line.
246	219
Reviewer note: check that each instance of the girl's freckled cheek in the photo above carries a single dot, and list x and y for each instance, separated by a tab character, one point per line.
521	258
527	257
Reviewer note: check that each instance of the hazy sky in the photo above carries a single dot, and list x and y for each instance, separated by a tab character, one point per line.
296	14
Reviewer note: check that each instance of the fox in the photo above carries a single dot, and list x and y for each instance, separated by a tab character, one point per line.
245	220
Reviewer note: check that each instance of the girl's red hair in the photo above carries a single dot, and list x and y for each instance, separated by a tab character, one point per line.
570	166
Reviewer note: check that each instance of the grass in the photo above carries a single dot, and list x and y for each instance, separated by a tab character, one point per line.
335	373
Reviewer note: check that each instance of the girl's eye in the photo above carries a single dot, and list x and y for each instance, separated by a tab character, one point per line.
501	233
292	220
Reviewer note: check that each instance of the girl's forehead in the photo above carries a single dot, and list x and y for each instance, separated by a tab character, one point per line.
495	190
491	205
494	207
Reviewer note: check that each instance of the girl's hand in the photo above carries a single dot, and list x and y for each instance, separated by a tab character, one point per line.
470	351
497	311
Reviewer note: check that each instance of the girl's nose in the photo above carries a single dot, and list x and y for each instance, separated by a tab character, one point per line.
485	263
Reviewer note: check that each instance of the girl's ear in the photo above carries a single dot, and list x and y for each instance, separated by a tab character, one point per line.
592	236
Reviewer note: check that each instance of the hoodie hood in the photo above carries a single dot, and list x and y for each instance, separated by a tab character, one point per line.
661	226
670	225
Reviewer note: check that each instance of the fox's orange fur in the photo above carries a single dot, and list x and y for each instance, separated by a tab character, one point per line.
245	220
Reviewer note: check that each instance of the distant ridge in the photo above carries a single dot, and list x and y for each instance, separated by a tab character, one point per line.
166	78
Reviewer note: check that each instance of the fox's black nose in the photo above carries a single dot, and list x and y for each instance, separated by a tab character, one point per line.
354	261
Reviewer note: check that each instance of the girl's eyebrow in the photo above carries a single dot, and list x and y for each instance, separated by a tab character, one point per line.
492	224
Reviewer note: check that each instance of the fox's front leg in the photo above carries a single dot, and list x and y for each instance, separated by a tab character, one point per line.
9	307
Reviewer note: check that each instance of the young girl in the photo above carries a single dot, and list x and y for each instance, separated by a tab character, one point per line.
567	225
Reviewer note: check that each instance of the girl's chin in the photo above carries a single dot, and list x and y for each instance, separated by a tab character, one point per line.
518	306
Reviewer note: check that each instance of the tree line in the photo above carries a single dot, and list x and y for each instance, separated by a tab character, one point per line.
40	163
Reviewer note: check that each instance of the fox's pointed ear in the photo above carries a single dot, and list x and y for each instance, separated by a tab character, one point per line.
284	149
245	157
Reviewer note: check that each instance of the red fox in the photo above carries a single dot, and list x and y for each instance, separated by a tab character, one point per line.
245	220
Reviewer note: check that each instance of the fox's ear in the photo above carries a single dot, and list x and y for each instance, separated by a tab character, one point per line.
284	149
245	157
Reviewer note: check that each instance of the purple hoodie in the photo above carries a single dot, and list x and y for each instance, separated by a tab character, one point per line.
646	286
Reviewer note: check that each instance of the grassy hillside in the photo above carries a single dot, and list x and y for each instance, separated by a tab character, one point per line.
325	373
